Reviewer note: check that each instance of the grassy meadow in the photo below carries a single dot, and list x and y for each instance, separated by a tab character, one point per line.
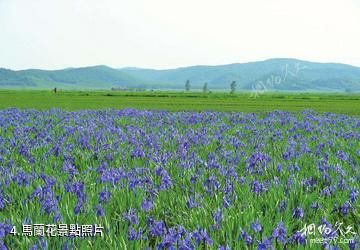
157	179
180	101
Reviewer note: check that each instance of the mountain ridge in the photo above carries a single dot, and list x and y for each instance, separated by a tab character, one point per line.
279	74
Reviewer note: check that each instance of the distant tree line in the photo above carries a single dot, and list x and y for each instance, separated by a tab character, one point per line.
205	88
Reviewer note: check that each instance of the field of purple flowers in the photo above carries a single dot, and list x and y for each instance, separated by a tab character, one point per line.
180	180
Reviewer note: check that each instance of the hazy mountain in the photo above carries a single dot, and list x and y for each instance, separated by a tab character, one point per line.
278	74
12	78
96	77
273	74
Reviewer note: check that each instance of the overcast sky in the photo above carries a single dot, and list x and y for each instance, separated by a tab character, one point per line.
53	34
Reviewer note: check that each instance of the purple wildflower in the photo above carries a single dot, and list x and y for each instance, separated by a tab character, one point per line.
157	229
255	226
353	194
146	205
217	217
297	213
131	217
266	244
99	211
247	238
104	196
297	238
279	233
345	208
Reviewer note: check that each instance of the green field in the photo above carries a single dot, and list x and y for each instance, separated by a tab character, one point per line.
178	101
203	178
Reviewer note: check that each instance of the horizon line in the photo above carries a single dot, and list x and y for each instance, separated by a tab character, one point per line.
179	67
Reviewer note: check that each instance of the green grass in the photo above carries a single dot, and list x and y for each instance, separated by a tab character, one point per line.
178	101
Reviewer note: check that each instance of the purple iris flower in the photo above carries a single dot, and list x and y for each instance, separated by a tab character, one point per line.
297	213
255	226
279	233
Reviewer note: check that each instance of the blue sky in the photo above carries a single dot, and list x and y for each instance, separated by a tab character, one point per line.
54	34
